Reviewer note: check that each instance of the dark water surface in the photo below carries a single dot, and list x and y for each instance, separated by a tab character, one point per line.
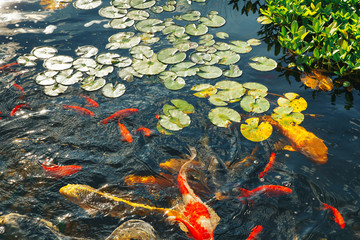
47	130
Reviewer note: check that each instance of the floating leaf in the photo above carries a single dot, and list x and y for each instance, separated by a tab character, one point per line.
84	64
87	4
204	90
232	90
123	62
191	16
54	90
233	72
184	69
121	23
287	119
196	30
107	58
150	25
124	40
141	52
175	121
221	46
213	20
264	20
227	57
178	38
149	66
67	77
176	29
175	84
169	8
223	116
240	46
183	106
86	51
58	63
46	78
209	72
27	60
157	9
170	56
44	52
113	92
100	71
128	74
165	75
219	100
112	12
263	63
317	80
138	15
293	100
256	89
255	104
254	131
222	35
121	3
253	42
163	130
141	4
148	38
92	83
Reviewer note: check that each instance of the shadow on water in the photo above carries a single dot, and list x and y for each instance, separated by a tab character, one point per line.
46	129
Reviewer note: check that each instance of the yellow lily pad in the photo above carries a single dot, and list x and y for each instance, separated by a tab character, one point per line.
254	131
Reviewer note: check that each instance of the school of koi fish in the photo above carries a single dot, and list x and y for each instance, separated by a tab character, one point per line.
194	216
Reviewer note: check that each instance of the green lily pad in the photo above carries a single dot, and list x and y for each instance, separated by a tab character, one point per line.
141	52
184	69
157	9
175	84
191	16
240	46
283	110
263	63
254	42
223	116
124	4
169	8
84	64
183	106
204	90
107	58
221	46
209	72
87	4
150	25
293	100
254	131
196	30
123	40
58	63
142	4
254	104
100	71
200	57
44	52
46	78
128	74
173	29
27	60
148	38
175	121
256	89
92	83
213	20
54	90
219	100
162	130
112	12
171	56
168	107
227	57
86	51
121	23
149	66
167	75
222	35
113	92
71	79
233	72
232	90
289	119
185	46
138	15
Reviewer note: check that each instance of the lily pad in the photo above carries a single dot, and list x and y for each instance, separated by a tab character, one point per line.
112	12
58	63
121	3
27	60
184	69
87	4
113	92
232	90
107	58
223	116
222	35
183	106
254	42
233	72
256	89
209	72
185	46
100	71
86	51
44	52
221	46
175	121
157	9
128	73
191	16
293	100
171	56
169	8
54	90
92	83
219	100
150	25
84	64
67	80
173	29
255	104
148	38
213	20
46	78
142	4
138	15
227	57
254	131
287	119
263	63
196	30
149	66
175	84
121	23
141	52
240	46
124	40
204	90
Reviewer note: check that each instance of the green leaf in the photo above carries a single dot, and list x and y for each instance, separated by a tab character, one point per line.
263	63
254	131
223	116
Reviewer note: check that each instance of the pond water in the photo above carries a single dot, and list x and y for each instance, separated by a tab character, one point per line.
46	129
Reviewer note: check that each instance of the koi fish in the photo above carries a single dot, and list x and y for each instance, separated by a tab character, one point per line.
60	171
268	190
0	113
255	232
268	166
79	110
147	132
21	89
17	107
125	134
120	114
337	215
91	102
8	65
199	218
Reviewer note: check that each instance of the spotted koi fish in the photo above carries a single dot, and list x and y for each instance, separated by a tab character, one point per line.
337	215
120	114
268	166
60	171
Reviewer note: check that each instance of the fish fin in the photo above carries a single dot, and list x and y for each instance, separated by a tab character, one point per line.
91	211
289	148
244	193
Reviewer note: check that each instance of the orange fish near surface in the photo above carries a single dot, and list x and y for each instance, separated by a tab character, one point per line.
79	110
268	166
200	219
125	134
17	107
337	215
120	114
147	132
268	190
60	171
91	102
21	89
255	232
8	65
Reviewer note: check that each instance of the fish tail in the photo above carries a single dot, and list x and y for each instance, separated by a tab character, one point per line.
244	193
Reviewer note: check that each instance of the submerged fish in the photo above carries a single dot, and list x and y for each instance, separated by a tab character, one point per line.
21	89
91	102
255	232
133	229
120	114
267	190
337	215
17	107
125	134
268	166
79	110
147	132
60	171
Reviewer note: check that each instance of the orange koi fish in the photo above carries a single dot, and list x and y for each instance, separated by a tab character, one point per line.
91	102
60	171
79	109
17	107
21	89
125	134
255	232
268	166
200	219
268	190
120	114
337	215
0	113
8	65
147	132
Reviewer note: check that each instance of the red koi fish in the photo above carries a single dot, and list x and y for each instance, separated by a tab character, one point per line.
21	89
200	219
120	114
157	116
91	102
0	113
79	110
268	166
125	134
17	107
147	132
60	171
268	190
337	215
8	65
255	232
